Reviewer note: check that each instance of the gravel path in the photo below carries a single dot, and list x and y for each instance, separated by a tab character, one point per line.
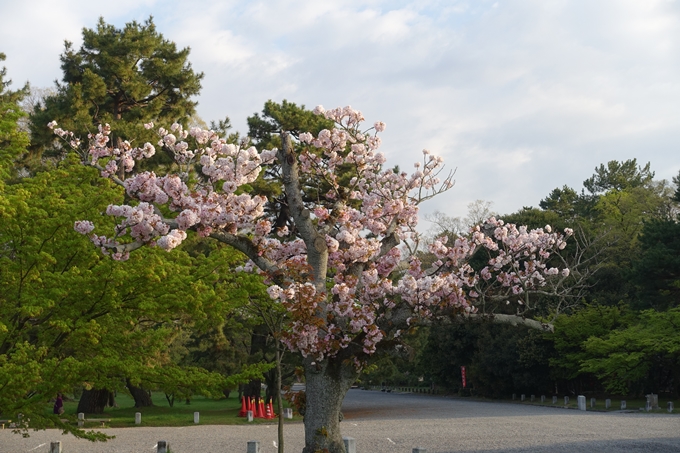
394	423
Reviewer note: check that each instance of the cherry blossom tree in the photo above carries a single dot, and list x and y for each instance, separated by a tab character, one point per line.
338	266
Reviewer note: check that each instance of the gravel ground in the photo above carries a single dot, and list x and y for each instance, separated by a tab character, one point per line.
391	423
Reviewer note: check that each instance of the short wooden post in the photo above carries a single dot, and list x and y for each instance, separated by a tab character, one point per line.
581	402
253	446
350	444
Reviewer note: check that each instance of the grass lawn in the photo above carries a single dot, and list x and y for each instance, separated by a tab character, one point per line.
212	412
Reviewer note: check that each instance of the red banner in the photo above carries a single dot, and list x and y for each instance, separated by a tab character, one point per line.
462	373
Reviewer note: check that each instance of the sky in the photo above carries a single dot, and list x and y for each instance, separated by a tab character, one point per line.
518	97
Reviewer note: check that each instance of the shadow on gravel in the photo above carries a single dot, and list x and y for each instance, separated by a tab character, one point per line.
658	445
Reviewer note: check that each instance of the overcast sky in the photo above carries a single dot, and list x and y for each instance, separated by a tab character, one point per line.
519	96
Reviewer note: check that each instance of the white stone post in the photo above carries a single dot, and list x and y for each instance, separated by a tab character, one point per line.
288	413
250	416
81	419
533	397
419	450
581	402
162	446
670	406
138	418
542	398
521	398
554	400
607	403
566	400
350	444
55	447
623	404
253	446
592	403
196	417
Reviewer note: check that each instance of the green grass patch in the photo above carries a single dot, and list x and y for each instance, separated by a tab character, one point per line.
222	411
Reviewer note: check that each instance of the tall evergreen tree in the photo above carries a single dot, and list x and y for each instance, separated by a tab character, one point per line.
13	141
124	77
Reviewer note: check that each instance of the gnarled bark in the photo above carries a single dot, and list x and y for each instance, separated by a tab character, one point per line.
327	383
141	396
94	401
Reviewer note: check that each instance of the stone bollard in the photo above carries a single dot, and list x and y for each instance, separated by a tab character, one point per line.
554	400
81	419
652	401
581	402
623	404
138	418
419	450
350	444
670	406
288	413
196	417
542	398
250	416
592	403
253	446
514	396
533	397
607	403
521	398
566	401
162	447
648	405
55	447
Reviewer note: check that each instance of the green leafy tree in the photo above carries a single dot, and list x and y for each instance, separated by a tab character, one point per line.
13	141
69	316
123	77
656	270
640	358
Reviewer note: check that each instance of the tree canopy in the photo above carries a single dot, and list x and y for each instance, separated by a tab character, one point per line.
123	77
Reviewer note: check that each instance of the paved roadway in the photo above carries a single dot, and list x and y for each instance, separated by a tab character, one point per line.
396	423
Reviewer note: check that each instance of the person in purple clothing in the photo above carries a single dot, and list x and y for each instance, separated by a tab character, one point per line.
59	404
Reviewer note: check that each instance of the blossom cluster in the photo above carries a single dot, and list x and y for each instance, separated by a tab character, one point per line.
362	214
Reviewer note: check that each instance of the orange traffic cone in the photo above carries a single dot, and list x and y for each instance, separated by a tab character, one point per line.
244	408
261	409
270	410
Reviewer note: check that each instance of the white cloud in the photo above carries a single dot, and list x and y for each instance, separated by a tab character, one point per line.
521	97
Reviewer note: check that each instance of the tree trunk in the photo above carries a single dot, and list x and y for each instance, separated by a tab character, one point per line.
141	396
253	389
94	401
327	382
